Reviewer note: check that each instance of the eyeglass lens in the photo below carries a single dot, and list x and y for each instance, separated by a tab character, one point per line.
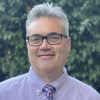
51	39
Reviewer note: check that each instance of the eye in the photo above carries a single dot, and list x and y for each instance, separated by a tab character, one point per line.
36	39
55	37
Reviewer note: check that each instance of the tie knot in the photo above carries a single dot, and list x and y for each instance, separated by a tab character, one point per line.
48	88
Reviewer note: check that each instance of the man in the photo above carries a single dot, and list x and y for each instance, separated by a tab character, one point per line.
48	45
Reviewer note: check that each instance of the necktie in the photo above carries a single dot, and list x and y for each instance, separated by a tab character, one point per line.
48	89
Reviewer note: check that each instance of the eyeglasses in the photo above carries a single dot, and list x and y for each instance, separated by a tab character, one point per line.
52	38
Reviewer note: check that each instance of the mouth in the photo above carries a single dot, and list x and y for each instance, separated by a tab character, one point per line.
46	56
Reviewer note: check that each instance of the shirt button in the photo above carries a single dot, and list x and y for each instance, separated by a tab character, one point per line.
38	90
59	92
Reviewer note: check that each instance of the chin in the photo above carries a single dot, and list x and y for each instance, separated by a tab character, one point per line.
47	68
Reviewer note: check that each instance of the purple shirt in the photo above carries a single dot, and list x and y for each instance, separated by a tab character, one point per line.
29	87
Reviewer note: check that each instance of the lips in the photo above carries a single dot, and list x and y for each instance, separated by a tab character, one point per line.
46	56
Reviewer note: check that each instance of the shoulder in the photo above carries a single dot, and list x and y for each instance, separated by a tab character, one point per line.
84	89
12	81
11	89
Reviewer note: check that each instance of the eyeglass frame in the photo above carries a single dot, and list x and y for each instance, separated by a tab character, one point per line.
45	37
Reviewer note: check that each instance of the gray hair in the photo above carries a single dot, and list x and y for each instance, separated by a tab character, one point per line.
47	10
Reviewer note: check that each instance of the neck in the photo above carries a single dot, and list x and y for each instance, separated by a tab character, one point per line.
49	76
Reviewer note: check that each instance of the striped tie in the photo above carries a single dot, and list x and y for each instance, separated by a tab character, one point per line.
48	90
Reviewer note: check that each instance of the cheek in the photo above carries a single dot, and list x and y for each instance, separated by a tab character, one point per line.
32	55
62	53
32	51
63	50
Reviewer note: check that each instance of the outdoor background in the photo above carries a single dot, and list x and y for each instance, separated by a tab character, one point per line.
84	20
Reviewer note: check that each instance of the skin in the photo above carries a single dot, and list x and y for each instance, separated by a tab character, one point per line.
48	60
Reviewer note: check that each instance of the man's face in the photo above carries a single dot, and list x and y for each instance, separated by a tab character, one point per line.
48	58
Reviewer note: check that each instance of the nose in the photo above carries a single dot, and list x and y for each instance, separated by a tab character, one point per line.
45	45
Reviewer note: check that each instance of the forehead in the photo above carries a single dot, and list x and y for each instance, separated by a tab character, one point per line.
45	25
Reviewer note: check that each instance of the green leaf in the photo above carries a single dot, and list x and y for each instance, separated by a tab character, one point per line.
2	9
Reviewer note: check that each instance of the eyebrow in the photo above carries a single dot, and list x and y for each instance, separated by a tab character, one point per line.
52	33
36	35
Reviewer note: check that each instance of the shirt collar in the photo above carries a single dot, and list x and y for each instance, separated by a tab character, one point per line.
37	83
61	82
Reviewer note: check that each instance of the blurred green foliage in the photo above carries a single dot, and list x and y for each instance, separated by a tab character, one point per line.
84	19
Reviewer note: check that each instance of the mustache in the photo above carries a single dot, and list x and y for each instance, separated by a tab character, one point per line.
46	53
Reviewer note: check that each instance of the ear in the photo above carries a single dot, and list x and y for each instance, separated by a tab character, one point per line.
69	44
27	43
